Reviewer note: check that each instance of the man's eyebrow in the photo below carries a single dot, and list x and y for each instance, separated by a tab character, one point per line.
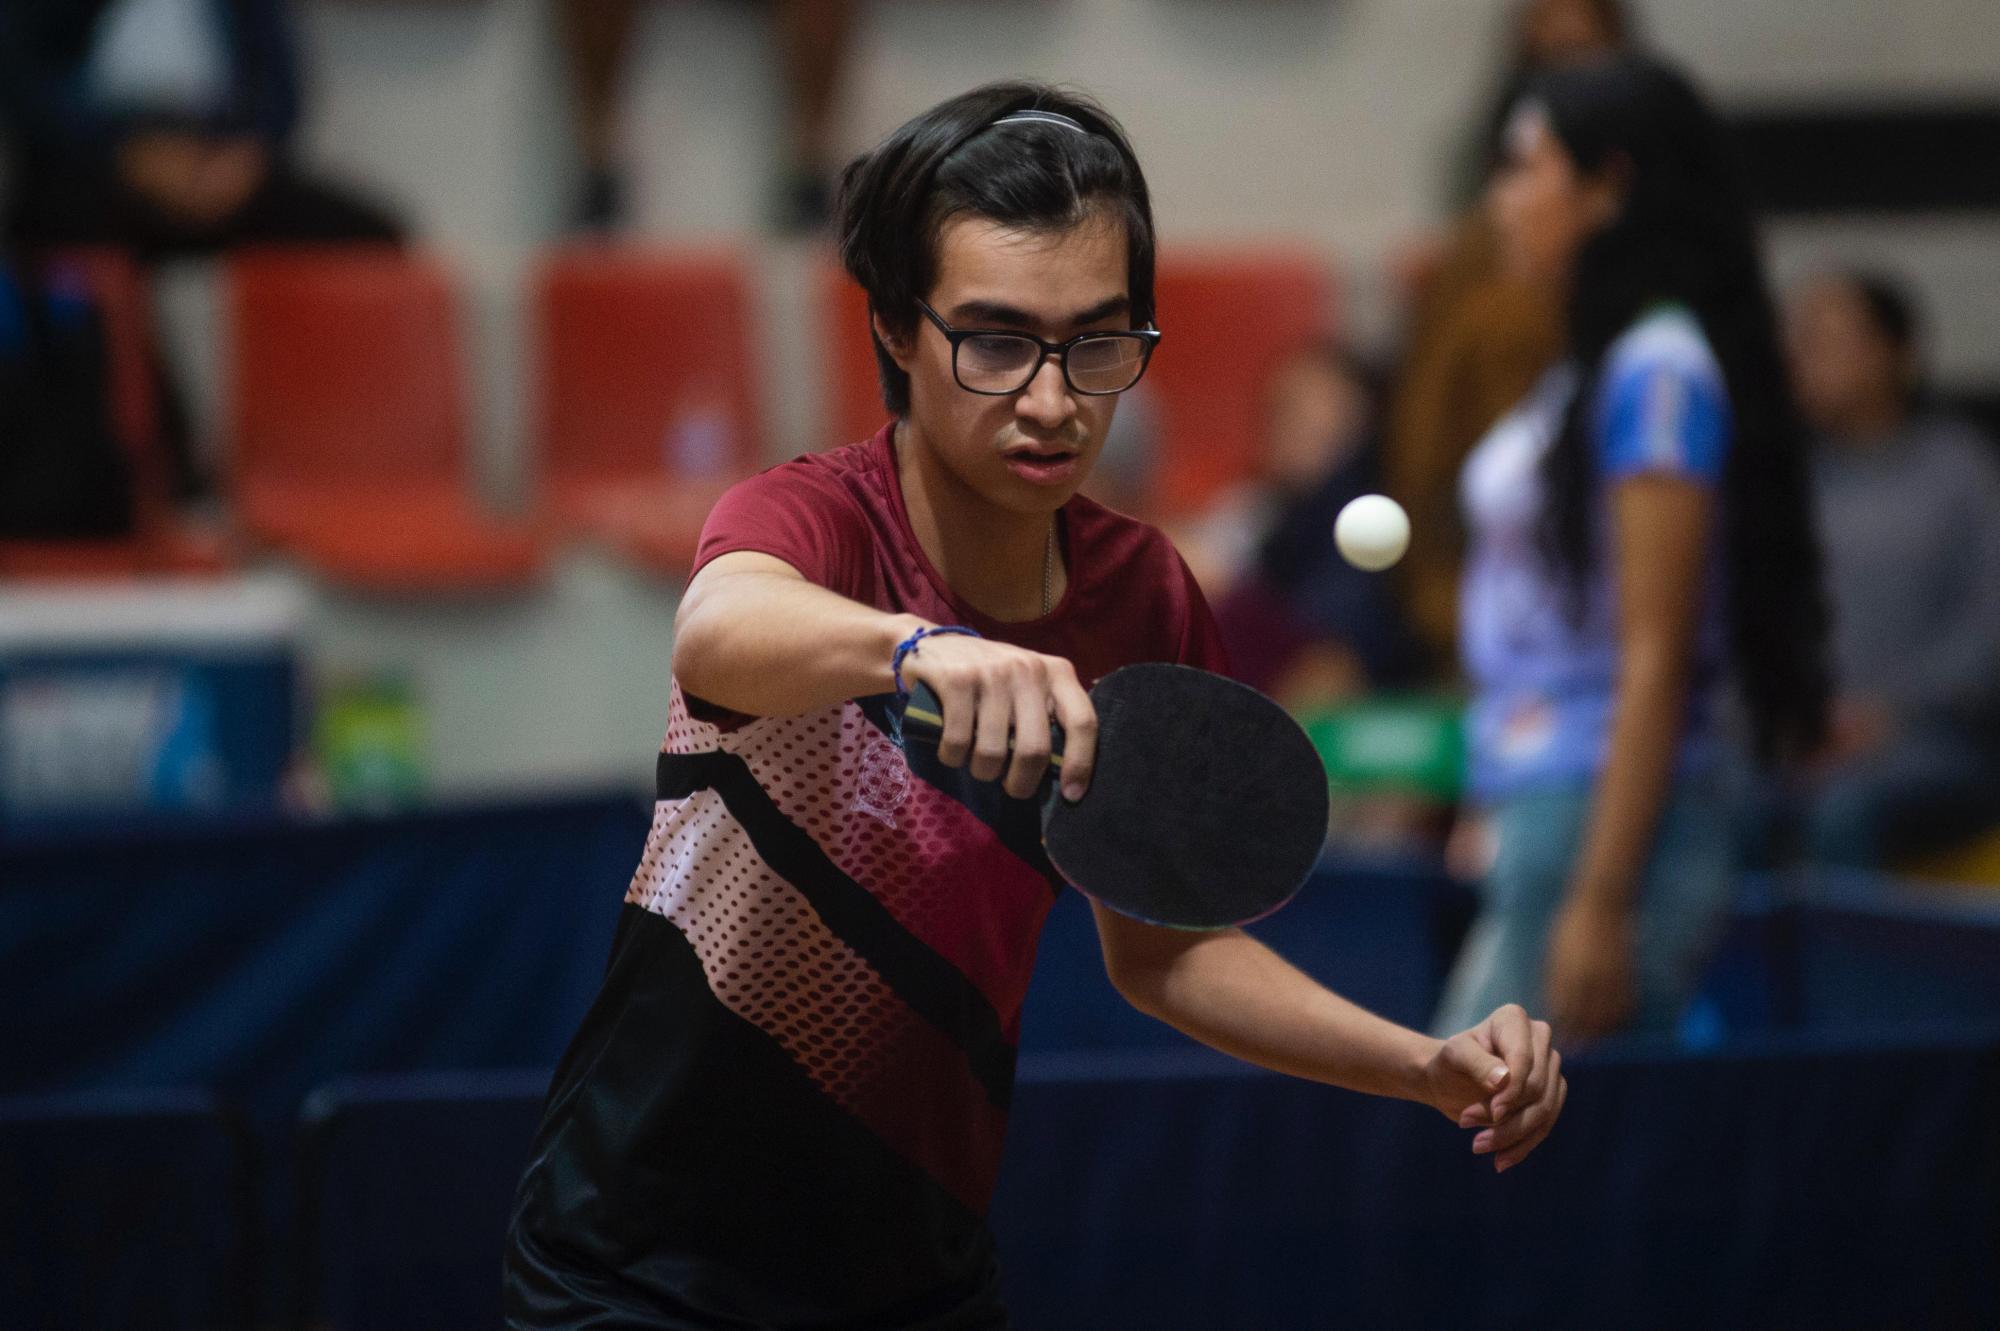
994	314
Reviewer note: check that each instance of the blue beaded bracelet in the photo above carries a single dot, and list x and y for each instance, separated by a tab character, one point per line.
909	644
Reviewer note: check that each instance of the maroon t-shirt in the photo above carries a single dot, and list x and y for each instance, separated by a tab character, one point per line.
838	518
814	1002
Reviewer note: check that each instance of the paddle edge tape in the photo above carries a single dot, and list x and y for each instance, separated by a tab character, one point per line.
924	709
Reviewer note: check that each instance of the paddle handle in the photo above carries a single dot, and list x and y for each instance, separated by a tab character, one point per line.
923	718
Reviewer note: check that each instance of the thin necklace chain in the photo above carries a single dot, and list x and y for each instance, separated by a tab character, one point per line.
1049	569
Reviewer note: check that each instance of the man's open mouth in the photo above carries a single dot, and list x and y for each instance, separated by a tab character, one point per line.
1041	465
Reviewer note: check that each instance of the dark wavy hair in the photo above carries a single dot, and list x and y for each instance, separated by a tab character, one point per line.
1684	234
894	202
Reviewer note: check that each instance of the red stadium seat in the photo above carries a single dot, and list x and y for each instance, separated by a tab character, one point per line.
167	550
1229	318
853	390
349	427
646	407
161	543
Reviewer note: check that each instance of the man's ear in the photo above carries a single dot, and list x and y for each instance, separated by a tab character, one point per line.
900	349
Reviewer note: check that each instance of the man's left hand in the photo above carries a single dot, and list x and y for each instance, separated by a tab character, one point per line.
1503	1077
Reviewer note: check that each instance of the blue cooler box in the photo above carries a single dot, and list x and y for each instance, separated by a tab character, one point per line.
160	698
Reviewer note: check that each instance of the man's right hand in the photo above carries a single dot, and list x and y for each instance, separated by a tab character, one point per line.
996	697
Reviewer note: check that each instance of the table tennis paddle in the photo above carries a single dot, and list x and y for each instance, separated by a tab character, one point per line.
1207	807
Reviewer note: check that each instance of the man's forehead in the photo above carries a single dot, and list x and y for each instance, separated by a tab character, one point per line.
1054	275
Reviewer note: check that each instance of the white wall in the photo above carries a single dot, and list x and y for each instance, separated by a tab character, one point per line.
1775	51
1325	118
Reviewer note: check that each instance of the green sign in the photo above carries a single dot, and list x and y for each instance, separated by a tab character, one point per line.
1412	745
369	739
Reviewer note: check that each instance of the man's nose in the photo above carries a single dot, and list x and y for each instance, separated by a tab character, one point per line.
1046	399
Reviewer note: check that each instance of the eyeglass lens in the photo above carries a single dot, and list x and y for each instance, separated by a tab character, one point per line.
1002	363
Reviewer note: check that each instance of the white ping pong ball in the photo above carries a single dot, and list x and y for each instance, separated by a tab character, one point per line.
1372	532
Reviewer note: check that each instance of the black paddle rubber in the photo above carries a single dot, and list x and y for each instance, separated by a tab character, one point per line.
1207	808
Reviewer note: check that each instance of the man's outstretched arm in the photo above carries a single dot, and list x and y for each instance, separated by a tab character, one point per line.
1229	991
755	636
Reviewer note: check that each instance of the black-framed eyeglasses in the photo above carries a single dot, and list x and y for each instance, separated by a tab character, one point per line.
999	364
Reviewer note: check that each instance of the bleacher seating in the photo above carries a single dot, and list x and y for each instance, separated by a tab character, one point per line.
1170	1189
647	404
1793	1182
122	1209
405	1185
350	441
348	429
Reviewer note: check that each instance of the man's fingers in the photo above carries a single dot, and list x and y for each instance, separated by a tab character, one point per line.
1079	723
1507	1159
1480	1072
990	738
996	701
1517	1127
1031	739
1514	1042
959	702
1529	1089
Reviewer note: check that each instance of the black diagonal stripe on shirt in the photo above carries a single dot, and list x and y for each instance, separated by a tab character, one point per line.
1017	823
937	990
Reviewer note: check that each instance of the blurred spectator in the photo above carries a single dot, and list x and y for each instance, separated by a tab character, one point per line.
1641	527
813	38
596	37
1300	622
1909	507
162	126
1478	336
64	473
1539	35
1478	341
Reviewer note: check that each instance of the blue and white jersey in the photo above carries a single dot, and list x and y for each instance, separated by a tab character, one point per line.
1542	679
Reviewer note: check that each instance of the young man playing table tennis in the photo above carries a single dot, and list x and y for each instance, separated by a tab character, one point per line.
786	1107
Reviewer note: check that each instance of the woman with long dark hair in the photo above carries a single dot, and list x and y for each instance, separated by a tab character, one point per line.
1641	537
